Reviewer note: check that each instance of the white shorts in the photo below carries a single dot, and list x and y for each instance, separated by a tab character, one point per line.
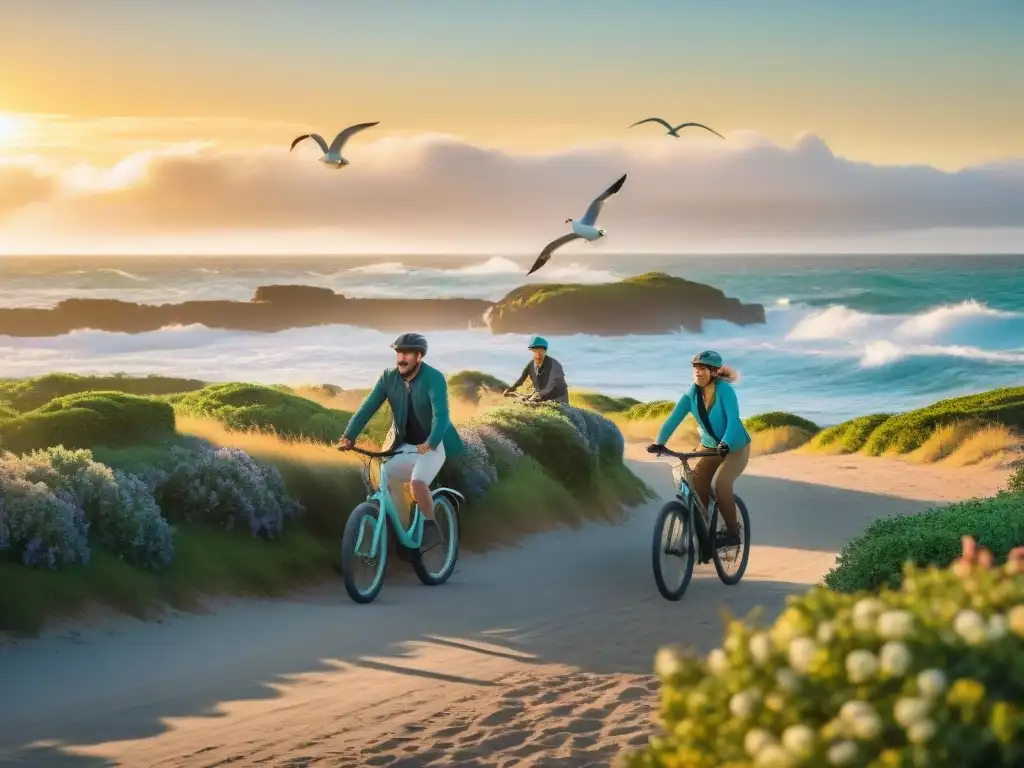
409	465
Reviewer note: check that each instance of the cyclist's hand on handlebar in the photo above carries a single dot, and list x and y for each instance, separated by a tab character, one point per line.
345	444
655	448
723	449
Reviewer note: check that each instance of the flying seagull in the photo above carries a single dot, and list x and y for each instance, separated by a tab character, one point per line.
675	131
332	154
584	228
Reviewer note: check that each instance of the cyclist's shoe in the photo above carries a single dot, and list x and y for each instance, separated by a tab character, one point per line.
726	539
431	535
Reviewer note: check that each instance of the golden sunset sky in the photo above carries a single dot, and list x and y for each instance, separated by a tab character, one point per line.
135	125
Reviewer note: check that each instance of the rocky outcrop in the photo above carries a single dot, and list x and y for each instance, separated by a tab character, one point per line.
273	308
652	303
647	304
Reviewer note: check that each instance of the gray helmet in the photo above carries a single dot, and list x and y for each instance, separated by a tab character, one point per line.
708	358
410	342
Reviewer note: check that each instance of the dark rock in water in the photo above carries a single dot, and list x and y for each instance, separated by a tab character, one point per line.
648	304
296	295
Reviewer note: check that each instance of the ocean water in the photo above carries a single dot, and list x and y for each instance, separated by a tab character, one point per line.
845	335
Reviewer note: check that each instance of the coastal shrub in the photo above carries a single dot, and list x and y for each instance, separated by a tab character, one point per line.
29	394
122	513
849	436
39	528
6	412
655	409
471	472
467	385
906	431
227	489
87	419
876	557
1015	484
250	406
774	419
547	435
596	401
604	439
926	675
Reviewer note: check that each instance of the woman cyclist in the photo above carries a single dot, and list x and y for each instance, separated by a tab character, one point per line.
712	401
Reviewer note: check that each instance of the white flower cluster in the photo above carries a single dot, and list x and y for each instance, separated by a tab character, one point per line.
846	680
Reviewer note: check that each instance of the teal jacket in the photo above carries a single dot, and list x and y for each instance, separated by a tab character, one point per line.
429	401
724	417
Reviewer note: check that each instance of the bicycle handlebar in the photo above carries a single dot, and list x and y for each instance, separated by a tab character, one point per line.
685	456
370	454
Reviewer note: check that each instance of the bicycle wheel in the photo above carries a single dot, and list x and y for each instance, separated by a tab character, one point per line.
356	566
434	565
672	550
734	556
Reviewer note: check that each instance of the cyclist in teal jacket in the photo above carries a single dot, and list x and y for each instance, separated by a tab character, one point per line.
712	401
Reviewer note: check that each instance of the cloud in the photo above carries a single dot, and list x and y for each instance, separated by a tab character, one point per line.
21	185
441	190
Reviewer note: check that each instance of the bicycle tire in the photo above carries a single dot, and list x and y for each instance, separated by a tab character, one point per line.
668	511
425	576
349	559
733	579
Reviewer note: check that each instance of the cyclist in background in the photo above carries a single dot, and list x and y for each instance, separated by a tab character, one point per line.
545	373
712	401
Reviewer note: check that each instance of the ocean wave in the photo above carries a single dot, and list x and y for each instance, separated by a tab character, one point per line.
966	324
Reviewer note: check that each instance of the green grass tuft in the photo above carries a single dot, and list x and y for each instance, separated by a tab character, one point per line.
29	394
205	562
850	436
775	419
87	419
250	406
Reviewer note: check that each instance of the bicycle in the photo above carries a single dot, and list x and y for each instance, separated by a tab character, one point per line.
521	399
678	525
367	531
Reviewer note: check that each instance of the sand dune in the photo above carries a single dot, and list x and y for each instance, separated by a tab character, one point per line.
538	655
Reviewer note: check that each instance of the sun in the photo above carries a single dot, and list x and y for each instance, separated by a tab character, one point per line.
10	129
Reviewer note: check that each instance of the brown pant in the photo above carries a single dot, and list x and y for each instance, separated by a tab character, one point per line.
728	468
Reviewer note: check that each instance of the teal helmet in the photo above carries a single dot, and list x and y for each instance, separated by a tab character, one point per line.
708	358
538	342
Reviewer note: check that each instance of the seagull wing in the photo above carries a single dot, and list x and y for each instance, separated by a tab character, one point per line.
590	217
699	125
348	133
550	248
315	136
653	120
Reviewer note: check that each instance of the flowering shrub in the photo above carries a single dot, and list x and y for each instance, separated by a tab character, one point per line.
602	436
926	675
471	471
38	527
122	513
226	488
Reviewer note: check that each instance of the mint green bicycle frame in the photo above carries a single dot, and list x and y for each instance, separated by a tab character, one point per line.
410	538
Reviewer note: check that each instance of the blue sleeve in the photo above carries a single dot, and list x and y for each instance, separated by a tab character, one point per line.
366	409
731	407
683	407
438	394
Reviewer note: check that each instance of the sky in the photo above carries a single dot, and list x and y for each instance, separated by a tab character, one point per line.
155	127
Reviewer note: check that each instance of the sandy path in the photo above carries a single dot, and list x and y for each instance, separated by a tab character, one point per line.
538	655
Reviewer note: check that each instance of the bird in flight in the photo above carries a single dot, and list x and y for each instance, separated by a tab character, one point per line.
332	154
584	228
675	131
